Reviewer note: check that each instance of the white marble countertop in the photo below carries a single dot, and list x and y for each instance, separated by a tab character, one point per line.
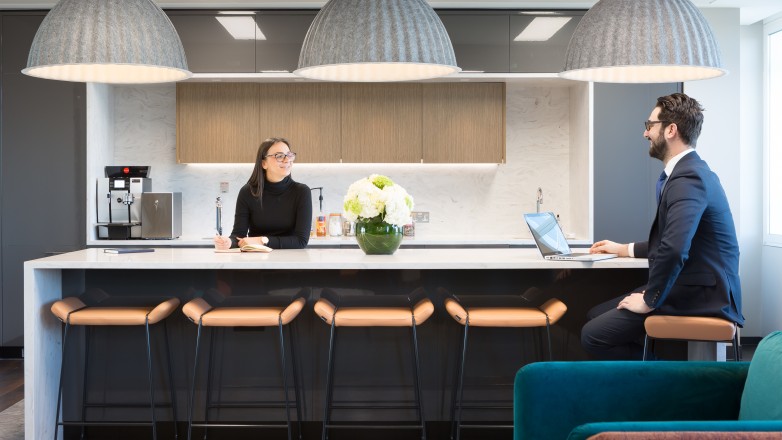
439	240
205	258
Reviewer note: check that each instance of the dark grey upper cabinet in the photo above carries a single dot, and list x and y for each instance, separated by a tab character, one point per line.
23	29
542	55
42	168
217	43
480	40
281	35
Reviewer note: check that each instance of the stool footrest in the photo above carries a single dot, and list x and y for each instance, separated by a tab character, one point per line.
377	406
104	423
125	405
375	426
257	404
487	426
237	425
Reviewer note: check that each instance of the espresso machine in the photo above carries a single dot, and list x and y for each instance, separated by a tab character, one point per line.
118	201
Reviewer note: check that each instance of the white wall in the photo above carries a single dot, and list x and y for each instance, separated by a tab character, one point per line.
731	143
485	200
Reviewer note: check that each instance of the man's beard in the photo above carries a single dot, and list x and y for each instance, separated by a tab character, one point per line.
659	148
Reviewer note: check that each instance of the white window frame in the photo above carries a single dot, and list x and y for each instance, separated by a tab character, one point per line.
769	239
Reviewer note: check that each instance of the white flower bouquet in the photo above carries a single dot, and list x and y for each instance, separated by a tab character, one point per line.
378	199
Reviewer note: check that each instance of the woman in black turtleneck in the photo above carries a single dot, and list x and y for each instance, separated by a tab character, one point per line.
271	208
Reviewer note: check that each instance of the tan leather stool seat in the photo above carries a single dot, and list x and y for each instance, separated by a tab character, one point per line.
78	313
374	316
697	328
554	309
502	316
279	315
199	309
73	311
392	311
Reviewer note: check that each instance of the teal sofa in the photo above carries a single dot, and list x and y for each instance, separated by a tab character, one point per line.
575	400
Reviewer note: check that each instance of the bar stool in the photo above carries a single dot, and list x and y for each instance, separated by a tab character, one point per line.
279	315
366	312
513	316
73	311
690	328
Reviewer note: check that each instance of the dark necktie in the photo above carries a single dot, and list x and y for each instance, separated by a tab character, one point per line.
660	183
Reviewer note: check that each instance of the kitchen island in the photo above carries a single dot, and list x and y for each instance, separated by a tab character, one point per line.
188	273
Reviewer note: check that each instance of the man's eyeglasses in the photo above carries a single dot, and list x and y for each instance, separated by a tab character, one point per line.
281	156
649	124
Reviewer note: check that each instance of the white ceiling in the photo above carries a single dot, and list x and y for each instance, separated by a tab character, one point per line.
751	10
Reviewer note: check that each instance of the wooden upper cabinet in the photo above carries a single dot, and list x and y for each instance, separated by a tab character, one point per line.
464	123
307	115
217	123
381	123
352	123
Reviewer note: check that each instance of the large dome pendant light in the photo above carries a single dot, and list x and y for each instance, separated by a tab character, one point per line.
643	41
376	41
107	41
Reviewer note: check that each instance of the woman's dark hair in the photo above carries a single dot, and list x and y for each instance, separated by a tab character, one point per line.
258	177
683	111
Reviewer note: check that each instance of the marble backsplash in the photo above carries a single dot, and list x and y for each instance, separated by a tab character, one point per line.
485	200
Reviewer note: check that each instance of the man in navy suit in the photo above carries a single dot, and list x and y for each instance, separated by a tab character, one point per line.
692	248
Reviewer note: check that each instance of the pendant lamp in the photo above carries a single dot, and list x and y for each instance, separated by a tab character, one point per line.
107	41
643	41
376	41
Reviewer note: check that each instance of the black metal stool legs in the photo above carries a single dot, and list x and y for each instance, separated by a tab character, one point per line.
329	380
59	387
170	380
192	386
416	368
459	392
151	382
296	389
284	377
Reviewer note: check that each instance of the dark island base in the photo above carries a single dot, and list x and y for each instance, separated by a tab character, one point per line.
371	363
310	431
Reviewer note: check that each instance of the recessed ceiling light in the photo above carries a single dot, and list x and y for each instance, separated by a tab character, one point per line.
241	27
542	28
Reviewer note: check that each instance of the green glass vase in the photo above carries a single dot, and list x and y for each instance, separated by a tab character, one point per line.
378	238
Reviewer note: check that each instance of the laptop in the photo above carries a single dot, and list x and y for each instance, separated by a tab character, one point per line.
551	241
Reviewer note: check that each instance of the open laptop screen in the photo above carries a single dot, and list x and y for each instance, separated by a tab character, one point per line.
547	233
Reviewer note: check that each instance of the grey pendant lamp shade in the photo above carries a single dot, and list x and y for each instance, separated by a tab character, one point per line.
107	41
643	41
376	41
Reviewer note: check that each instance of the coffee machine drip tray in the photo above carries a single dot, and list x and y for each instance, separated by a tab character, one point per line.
119	231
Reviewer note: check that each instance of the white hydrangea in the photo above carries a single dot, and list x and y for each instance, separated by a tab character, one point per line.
365	200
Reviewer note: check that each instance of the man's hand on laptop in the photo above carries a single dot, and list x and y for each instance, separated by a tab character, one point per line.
609	247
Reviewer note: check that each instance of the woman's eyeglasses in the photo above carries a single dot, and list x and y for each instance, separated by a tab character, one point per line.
281	156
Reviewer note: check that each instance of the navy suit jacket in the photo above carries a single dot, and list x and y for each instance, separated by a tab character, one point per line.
693	251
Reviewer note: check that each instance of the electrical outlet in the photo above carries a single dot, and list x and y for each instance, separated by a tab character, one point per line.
223	187
420	216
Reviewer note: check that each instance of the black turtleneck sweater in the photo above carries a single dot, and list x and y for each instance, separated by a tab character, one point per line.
285	216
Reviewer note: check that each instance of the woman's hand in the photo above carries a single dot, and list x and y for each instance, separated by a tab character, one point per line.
253	240
222	243
609	247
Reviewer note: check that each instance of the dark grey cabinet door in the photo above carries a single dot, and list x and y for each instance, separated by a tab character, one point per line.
217	43
533	46
42	170
282	34
625	175
480	40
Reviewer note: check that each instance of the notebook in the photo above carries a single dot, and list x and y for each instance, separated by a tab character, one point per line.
551	241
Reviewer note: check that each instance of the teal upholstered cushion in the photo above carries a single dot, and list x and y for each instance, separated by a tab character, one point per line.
761	397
